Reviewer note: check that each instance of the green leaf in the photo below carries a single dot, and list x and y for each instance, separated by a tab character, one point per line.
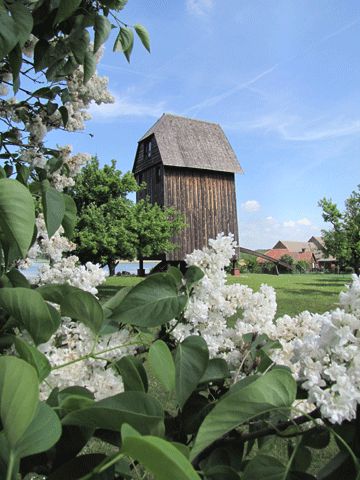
32	355
158	456
276	389
15	59
128	51
124	40
42	433
221	472
266	468
8	34
66	9
29	308
102	29
176	274
162	364
79	44
23	21
89	65
64	114
55	293
17	279
84	307
54	207
217	370
138	409
69	220
270	468
17	214
143	35
193	275
110	305
152	302
318	437
19	392
41	50
191	360
133	374
75	303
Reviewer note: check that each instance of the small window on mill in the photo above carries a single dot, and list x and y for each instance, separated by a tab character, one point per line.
147	150
158	174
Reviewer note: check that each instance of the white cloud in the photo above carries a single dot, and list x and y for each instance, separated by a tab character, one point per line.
215	99
124	106
266	232
304	221
293	128
294	223
199	7
251	206
289	224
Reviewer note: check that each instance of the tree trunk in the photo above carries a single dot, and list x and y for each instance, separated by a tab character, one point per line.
141	271
111	264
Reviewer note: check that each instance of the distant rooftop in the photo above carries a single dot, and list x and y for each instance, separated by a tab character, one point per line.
189	143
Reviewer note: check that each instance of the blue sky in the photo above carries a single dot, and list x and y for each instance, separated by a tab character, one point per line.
282	77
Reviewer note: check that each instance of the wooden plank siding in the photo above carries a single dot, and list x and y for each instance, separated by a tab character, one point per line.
142	161
208	201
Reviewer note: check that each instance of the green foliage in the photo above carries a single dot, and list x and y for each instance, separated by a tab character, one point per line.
157	455
151	303
342	241
287	259
302	266
162	364
252	265
155	226
29	310
275	390
112	227
17	218
133	374
191	361
95	185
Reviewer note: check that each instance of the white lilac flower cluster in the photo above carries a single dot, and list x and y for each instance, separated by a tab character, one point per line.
77	357
322	350
39	121
67	270
213	303
73	166
62	269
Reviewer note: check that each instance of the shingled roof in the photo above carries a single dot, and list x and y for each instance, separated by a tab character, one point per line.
184	142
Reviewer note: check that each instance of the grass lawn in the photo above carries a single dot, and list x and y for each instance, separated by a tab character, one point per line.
295	293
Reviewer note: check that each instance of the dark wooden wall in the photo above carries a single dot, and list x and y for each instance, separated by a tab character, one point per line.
151	171
142	161
208	201
207	198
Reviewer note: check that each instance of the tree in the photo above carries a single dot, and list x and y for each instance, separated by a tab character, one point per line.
105	233
112	227
155	227
96	185
343	240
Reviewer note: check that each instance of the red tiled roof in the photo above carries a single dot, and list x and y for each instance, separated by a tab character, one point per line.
277	253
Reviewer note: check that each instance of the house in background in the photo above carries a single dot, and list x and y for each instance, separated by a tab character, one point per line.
312	251
189	165
278	253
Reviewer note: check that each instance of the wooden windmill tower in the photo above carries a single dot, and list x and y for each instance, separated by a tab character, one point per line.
190	165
